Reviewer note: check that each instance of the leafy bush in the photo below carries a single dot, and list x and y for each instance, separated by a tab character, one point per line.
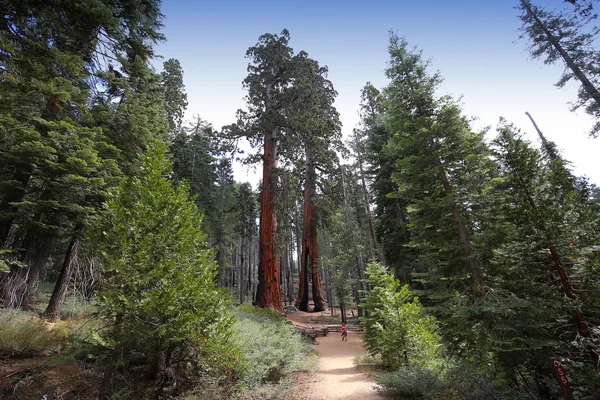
24	334
396	325
271	347
412	382
159	294
470	382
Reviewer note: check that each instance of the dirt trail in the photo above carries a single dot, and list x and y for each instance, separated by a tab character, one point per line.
337	377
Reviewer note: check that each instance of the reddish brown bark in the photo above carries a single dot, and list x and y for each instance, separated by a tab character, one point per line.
310	248
268	293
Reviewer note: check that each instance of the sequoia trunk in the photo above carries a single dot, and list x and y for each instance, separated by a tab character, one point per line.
268	293
310	248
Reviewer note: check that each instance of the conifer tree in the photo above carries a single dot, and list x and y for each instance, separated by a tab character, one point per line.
316	123
159	275
565	36
266	82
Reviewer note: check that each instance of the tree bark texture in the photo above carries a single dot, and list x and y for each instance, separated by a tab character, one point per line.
310	247
268	294
60	289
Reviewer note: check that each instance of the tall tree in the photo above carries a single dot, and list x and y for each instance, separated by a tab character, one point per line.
266	82
175	97
562	36
551	212
441	170
316	122
60	79
391	222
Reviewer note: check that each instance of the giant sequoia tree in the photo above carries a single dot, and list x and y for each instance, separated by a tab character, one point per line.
315	121
266	82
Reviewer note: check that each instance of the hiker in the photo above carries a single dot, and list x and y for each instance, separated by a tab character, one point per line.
344	332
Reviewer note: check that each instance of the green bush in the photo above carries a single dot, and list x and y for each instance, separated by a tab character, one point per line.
270	346
159	295
396	325
23	334
471	382
412	382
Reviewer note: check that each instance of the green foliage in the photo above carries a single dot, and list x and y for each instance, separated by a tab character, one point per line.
567	36
396	325
345	246
159	277
474	382
271	347
411	382
174	93
24	334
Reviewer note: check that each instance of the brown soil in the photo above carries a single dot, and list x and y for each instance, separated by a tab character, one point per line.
32	377
337	377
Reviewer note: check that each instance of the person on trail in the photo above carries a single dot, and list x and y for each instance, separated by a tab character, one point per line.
344	332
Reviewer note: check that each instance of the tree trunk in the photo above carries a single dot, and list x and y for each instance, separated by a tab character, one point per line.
460	225
290	282
60	289
302	300
242	280
374	242
111	368
7	208
310	246
585	82
360	284
268	293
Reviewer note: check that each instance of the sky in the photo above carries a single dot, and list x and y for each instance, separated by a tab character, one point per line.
474	44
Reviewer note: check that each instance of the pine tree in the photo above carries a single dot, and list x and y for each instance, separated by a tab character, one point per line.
390	222
563	36
52	73
550	228
174	92
159	275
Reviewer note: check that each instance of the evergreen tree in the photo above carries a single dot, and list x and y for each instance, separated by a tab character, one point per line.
391	223
159	275
548	230
266	82
174	92
59	86
316	122
564	36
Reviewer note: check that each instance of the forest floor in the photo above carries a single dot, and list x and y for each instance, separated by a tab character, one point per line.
337	377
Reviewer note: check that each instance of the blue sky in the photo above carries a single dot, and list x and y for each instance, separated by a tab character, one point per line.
474	44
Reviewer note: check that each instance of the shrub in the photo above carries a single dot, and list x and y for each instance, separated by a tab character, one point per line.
470	382
396	325
159	293
24	334
412	382
272	348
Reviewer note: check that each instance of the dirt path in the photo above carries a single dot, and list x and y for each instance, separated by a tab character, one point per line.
337	377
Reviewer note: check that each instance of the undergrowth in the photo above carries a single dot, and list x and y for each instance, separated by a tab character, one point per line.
24	334
272	348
